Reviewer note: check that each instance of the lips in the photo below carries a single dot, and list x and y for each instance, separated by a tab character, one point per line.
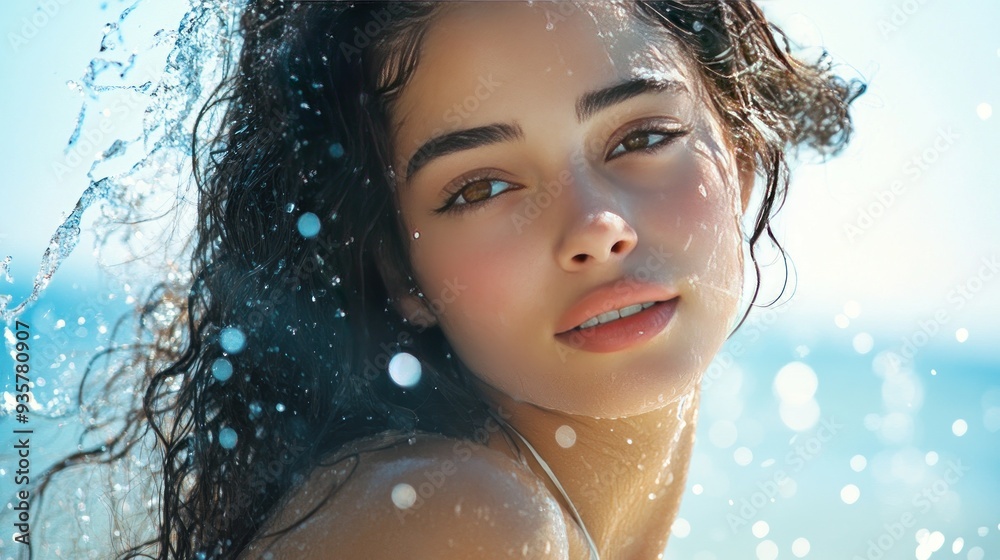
622	333
612	297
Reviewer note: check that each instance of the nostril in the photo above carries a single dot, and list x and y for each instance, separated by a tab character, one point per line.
618	246
581	258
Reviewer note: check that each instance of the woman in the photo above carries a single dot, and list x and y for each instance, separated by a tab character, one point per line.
458	271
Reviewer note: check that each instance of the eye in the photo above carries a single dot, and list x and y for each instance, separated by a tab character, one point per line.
475	192
645	140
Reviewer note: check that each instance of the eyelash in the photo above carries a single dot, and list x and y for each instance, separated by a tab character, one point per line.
667	137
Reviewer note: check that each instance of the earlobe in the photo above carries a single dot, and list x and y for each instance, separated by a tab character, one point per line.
413	309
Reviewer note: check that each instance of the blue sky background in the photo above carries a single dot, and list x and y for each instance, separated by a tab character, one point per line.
925	128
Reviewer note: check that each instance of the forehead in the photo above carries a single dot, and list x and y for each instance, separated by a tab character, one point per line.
506	57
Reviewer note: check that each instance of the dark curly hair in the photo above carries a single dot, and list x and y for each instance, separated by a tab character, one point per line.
299	127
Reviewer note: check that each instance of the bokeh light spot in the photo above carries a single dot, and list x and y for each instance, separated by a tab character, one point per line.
403	496
565	436
681	528
232	340
959	427
800	547
222	369
227	437
404	369
850	494
308	225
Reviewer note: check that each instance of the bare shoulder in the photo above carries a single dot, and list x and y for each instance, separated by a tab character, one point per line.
437	498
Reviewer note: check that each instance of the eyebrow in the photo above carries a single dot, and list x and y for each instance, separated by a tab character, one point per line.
592	102
462	140
589	104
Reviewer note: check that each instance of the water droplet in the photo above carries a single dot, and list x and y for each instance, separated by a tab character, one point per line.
760	529
280	407
863	343
800	547
565	436
767	550
962	334
290	207
339	313
850	494
681	528
227	437
795	383
743	456
222	369
959	427
232	340
931	458
416	235
404	369
697	26
404	496
984	110
335	280
336	150
308	225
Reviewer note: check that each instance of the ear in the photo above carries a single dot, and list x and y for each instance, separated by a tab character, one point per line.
410	306
414	310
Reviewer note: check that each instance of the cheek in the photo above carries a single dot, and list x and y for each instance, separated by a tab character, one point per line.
478	282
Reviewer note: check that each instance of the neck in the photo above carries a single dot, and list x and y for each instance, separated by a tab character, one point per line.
625	476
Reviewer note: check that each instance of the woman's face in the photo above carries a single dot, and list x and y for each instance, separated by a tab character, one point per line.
560	186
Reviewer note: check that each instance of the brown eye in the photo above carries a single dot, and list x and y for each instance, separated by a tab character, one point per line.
645	140
636	141
478	190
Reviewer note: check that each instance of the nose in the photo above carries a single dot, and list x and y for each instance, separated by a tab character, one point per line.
598	232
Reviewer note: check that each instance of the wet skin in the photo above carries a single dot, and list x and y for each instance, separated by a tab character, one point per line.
645	189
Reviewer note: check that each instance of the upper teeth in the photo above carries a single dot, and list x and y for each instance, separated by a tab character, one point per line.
617	314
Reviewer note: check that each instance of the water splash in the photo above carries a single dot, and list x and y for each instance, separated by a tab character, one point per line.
165	101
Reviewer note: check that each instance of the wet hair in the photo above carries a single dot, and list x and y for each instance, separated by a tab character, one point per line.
305	323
